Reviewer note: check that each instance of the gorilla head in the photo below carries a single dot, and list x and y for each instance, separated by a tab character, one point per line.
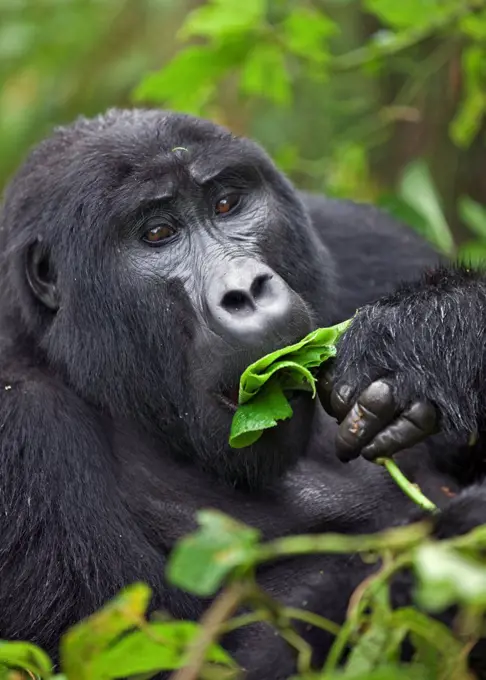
150	257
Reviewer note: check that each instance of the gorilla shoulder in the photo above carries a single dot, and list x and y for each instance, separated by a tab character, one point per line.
371	251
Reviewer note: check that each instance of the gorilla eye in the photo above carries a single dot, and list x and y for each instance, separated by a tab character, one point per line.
226	204
159	233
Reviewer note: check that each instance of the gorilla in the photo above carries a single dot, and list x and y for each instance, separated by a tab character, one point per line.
147	259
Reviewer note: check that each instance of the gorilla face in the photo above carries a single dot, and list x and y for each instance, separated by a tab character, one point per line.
163	256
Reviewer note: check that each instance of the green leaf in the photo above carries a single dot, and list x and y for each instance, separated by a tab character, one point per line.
85	641
262	400
434	634
426	655
223	18
447	577
158	647
381	641
305	33
403	212
418	190
368	651
427	628
201	561
263	412
27	657
473	253
264	73
473	24
187	82
412	13
473	214
469	117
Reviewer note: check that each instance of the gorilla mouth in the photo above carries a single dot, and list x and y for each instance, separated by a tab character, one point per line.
229	397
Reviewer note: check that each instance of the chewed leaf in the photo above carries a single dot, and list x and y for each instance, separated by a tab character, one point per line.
294	372
261	413
261	398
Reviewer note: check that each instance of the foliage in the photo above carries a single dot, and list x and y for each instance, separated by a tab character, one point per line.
267	52
262	399
309	79
417	203
219	559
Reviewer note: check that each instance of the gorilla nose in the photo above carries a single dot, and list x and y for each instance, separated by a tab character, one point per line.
249	302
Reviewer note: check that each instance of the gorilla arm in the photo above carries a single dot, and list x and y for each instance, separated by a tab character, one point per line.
411	364
67	542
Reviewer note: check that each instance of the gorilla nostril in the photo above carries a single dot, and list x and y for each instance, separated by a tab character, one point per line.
235	301
259	286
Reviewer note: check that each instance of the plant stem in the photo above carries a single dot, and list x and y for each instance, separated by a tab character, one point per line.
411	490
396	540
244	620
312	619
221	609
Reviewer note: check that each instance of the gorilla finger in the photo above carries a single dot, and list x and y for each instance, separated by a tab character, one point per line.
413	426
341	401
336	396
325	385
373	411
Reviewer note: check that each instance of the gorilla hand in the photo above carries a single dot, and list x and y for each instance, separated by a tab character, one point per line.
374	424
409	364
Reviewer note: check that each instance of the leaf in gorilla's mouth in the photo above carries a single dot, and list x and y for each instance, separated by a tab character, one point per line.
266	385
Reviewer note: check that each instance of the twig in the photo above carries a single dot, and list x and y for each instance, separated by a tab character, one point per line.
395	540
244	620
411	490
358	602
221	609
312	619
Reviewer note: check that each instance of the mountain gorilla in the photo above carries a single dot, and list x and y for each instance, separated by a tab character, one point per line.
148	258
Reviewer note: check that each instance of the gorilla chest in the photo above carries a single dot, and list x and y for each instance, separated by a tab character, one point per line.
164	495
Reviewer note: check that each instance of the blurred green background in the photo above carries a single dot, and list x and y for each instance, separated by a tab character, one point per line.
376	100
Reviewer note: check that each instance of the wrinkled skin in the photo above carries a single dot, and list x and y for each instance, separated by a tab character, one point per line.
138	281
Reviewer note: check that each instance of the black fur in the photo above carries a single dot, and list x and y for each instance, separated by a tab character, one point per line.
111	433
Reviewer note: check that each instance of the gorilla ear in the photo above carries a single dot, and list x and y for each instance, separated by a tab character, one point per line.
41	276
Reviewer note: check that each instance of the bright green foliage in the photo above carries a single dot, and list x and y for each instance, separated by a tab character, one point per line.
264	71
224	18
25	656
157	647
88	640
448	577
304	33
412	13
202	561
241	38
474	216
469	118
418	191
197	68
118	641
262	400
